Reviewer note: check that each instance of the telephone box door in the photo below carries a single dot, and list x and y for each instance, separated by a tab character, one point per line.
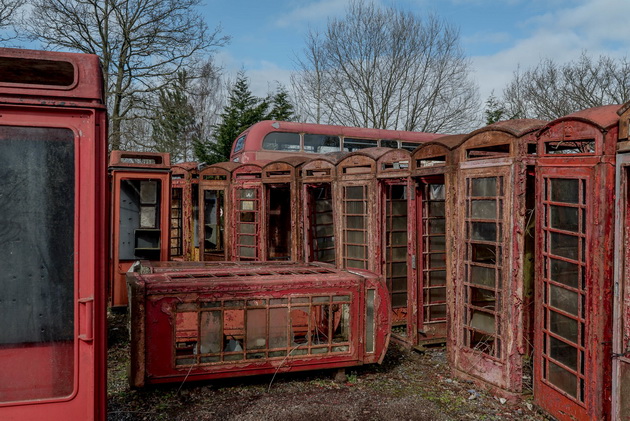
52	224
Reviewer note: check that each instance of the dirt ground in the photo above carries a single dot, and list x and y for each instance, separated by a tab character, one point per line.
407	386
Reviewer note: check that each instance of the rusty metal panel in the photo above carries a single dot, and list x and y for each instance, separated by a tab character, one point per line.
50	78
241	319
394	163
574	225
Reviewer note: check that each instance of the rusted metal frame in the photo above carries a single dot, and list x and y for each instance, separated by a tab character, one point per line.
292	304
580	291
363	231
255	209
216	178
502	372
433	164
177	223
402	314
313	214
500	246
161	299
621	310
186	178
425	251
119	267
599	170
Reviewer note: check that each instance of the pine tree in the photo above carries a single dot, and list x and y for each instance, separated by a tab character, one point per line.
282	109
174	127
494	110
243	110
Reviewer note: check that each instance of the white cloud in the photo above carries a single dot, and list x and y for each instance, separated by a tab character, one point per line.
597	26
317	11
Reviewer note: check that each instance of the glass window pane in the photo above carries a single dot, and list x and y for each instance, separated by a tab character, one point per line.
564	272
562	379
321	143
37	258
563	299
256	328
484	209
437	226
484	187
564	245
563	326
437	277
482	276
484	231
278	323
436	191
355	192
563	218
563	353
210	332
279	141
565	190
350	144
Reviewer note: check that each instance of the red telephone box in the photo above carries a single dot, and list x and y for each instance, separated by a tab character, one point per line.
185	211
574	225
282	226
489	321
432	171
358	227
320	217
53	215
239	319
140	185
621	313
215	210
396	239
246	214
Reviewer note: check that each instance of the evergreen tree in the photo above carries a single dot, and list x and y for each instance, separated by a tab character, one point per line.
494	110
243	110
282	109
174	126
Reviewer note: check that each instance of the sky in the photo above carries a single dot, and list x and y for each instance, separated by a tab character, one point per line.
497	36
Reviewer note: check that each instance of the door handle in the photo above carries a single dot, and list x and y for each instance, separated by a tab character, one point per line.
86	319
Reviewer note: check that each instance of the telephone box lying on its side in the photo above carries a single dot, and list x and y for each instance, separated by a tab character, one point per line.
184	211
53	236
621	313
215	211
488	338
140	185
247	319
432	172
318	213
282	228
575	185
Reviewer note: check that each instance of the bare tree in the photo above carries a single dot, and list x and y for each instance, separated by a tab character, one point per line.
388	69
551	90
10	12
142	44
